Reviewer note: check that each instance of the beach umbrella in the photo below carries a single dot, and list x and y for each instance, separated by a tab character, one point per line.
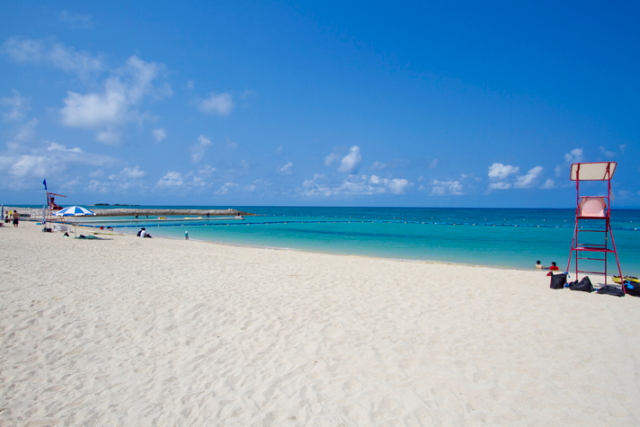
74	211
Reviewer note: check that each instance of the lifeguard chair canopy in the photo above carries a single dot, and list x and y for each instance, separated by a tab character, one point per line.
597	171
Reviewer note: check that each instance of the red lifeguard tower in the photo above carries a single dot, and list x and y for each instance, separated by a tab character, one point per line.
593	237
52	207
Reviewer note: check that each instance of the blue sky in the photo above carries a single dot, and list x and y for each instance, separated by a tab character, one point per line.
331	103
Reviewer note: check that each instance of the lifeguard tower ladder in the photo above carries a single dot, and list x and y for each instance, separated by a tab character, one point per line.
593	220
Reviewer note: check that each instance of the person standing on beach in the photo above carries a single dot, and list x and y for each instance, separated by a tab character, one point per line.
186	235
16	218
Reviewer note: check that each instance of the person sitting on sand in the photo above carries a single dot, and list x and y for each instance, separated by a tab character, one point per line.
140	232
538	265
554	267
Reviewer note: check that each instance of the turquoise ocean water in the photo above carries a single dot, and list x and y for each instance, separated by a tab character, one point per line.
509	238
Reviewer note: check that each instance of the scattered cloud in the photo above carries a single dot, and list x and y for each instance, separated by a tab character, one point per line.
606	153
500	171
350	162
76	20
500	174
206	171
548	184
129	173
446	187
56	54
107	112
217	104
433	164
26	131
499	185
47	161
159	134
353	185
526	181
198	150
378	166
171	179
331	158
18	106
224	189
574	156
279	149
286	169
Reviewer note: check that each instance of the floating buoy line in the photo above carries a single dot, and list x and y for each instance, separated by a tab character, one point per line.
191	223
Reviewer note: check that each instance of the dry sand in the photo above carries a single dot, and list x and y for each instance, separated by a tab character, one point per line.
142	332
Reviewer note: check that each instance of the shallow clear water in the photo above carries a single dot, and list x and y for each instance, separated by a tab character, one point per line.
513	238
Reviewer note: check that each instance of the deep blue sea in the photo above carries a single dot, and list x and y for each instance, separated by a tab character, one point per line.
509	238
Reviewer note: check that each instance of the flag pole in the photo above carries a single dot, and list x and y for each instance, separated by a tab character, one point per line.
44	217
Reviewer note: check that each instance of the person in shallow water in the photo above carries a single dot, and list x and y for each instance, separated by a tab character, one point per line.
554	267
538	265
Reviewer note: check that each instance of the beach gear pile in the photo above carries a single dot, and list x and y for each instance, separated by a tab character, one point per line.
559	281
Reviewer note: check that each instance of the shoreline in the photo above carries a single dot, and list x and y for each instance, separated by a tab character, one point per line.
240	245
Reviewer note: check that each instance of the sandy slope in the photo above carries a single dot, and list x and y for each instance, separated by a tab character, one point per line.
140	332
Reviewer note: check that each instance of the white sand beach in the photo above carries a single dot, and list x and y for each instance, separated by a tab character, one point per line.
142	332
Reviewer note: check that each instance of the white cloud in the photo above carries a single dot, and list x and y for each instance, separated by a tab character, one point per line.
76	20
331	158
206	171
48	161
524	181
18	104
198	150
179	183
444	187
132	173
26	132
351	161
397	186
286	169
217	104
224	189
172	179
107	112
56	54
500	171
378	166
59	147
353	185
279	149
499	185
159	134
606	153
433	164
574	156
549	183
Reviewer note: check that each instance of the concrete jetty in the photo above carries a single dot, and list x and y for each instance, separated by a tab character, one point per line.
36	213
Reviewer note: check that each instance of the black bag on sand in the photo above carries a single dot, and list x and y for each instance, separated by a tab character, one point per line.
558	281
611	290
583	285
633	289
